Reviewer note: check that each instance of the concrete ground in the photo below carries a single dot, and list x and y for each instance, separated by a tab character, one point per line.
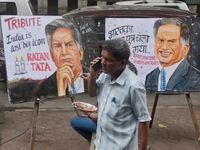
172	129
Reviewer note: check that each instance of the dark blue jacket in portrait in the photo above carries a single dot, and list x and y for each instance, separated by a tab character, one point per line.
185	78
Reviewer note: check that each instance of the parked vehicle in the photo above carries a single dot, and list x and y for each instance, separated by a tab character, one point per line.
156	3
16	7
12	7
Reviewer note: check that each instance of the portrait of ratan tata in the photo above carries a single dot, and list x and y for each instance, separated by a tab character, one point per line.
66	49
174	72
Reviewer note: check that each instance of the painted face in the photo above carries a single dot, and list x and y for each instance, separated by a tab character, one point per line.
168	47
64	49
110	65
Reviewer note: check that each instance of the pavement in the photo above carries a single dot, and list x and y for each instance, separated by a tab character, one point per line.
172	128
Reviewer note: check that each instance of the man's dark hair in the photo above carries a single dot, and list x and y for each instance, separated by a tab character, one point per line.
118	47
184	30
63	23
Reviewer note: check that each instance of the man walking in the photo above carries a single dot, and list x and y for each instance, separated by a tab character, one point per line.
122	108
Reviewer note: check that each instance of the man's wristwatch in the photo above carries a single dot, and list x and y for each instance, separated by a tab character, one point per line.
89	115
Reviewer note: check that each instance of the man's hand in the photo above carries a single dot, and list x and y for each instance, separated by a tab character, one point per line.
64	75
144	134
86	112
92	87
85	76
91	70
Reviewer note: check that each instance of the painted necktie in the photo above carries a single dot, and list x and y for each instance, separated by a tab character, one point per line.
73	88
163	80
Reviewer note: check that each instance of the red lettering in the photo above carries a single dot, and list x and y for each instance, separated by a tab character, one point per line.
32	64
42	66
23	23
38	56
29	57
14	23
38	21
8	20
34	57
37	67
47	67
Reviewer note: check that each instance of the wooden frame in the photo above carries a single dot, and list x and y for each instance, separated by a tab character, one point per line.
191	112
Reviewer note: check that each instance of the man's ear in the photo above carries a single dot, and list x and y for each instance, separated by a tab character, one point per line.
186	49
81	53
123	62
51	54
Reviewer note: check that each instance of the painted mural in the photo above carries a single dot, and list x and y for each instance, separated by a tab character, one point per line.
46	55
165	51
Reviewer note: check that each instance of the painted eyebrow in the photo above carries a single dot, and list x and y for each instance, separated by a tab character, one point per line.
158	38
71	41
172	40
167	40
58	43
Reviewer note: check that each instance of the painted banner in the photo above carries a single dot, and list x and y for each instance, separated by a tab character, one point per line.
46	55
165	51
